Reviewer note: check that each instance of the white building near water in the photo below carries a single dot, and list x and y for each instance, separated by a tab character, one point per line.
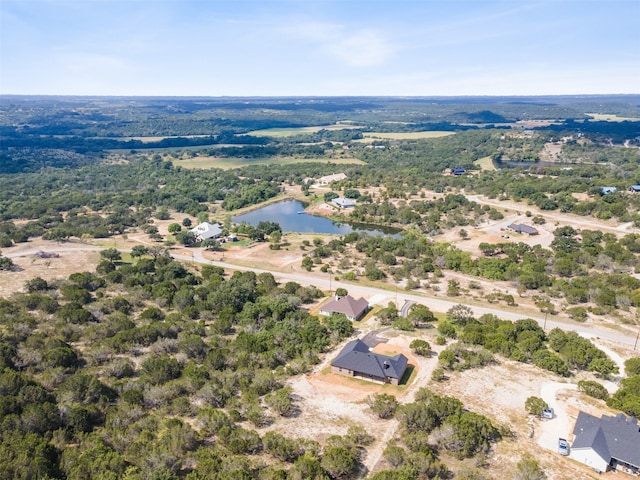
207	230
343	202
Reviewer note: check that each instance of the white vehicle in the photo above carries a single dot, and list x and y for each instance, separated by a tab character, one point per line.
563	447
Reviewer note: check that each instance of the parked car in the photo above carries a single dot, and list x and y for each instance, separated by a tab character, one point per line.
547	413
563	446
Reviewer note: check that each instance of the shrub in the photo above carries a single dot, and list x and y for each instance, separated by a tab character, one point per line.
535	405
421	347
593	389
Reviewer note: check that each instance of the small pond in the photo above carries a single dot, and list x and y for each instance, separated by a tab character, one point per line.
288	215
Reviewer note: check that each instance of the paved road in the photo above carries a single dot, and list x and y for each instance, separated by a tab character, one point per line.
576	220
435	304
404	311
617	335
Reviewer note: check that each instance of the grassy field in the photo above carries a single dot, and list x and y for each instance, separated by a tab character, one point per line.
229	163
289	132
604	117
158	139
368	136
485	164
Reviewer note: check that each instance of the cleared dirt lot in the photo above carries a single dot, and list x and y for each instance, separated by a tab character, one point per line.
330	403
51	269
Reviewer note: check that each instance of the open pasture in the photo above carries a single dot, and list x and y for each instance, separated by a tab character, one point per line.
369	136
485	164
605	117
290	132
228	163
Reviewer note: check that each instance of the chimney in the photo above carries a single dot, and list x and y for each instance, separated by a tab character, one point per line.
385	364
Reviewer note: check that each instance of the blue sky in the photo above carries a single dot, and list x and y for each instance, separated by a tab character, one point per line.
319	47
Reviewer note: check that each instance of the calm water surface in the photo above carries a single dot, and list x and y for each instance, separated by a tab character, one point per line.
286	214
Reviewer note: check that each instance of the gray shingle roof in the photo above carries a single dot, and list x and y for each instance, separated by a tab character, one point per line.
344	202
520	228
611	437
357	357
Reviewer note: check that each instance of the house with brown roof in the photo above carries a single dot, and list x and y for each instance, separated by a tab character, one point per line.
356	360
353	309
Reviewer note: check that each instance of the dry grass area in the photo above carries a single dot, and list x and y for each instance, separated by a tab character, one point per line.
485	164
551	152
289	132
330	403
228	163
29	265
605	117
535	123
369	136
499	392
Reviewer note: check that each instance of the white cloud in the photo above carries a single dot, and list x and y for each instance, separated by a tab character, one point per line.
353	48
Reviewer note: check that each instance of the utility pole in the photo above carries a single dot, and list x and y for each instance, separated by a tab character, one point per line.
544	327
396	284
637	336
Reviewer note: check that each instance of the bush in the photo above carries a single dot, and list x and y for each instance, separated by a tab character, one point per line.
535	405
447	329
632	367
421	347
383	405
593	389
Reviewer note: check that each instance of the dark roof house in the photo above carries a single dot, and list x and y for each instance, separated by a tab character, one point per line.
457	171
607	442
353	309
356	360
634	188
519	228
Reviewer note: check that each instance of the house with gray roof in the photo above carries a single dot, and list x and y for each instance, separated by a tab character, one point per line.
634	188
353	309
607	443
356	360
343	202
521	228
608	190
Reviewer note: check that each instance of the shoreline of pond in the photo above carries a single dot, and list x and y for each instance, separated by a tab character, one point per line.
299	210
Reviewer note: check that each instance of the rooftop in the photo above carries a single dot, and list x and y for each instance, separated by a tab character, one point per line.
346	305
611	437
356	356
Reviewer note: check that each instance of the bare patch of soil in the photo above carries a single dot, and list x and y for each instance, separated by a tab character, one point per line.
52	268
